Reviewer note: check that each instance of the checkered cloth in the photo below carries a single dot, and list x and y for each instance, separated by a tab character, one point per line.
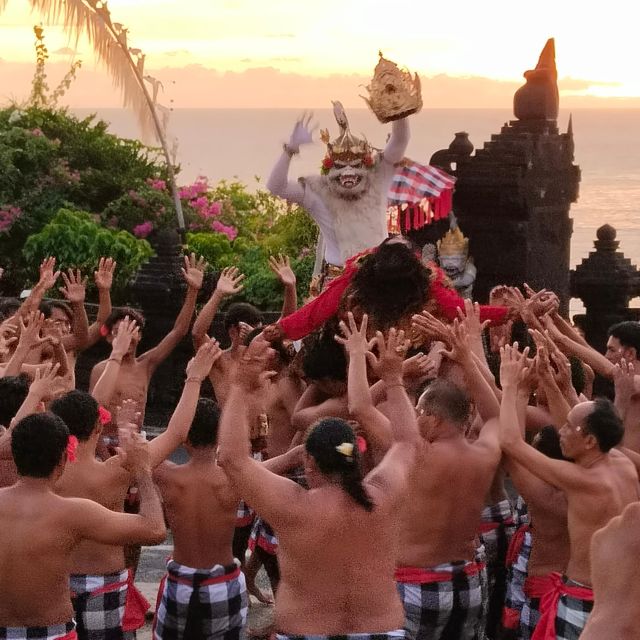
53	632
263	536
564	610
441	602
517	567
535	588
244	515
99	604
399	634
201	603
421	193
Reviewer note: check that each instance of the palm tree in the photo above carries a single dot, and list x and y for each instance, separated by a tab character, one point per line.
125	64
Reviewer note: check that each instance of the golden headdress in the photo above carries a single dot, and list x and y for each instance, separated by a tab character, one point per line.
346	147
393	93
453	243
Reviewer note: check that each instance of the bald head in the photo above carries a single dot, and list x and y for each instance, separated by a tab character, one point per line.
600	419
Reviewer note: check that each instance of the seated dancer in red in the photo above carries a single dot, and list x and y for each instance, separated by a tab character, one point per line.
390	284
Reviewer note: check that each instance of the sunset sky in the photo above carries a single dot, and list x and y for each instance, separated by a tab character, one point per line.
252	53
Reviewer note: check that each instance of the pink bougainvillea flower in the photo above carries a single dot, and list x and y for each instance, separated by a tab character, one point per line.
143	230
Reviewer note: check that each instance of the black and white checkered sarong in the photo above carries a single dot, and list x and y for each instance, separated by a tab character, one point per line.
99	605
194	603
398	634
52	632
447	605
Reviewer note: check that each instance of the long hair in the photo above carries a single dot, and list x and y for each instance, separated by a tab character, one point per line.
391	283
332	444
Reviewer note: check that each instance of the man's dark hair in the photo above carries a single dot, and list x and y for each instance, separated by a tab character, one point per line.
46	308
120	314
547	441
323	358
447	401
242	312
578	378
391	283
9	307
38	443
322	443
203	432
13	391
628	333
79	411
605	425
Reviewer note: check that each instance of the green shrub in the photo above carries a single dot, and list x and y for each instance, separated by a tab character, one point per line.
76	240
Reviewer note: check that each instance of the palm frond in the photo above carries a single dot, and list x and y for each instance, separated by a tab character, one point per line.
92	18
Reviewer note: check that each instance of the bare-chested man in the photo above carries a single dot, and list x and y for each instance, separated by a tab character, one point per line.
132	382
614	571
102	588
200	506
548	531
598	484
41	529
338	541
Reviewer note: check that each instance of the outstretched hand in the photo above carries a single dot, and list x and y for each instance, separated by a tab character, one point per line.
281	266
127	330
104	275
513	370
388	363
355	338
459	339
75	285
46	383
252	372
302	133
193	271
470	317
30	329
430	327
200	365
48	275
229	282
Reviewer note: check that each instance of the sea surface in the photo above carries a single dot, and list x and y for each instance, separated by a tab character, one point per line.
244	144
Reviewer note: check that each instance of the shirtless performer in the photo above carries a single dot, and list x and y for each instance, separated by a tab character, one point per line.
104	596
203	593
338	540
598	484
132	382
42	529
240	320
614	571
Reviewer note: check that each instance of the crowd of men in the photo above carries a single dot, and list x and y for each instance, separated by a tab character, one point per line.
425	478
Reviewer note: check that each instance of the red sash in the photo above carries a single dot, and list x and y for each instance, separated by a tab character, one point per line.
539	586
515	546
546	628
417	575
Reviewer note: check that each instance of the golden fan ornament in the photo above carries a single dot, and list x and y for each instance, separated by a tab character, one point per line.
394	93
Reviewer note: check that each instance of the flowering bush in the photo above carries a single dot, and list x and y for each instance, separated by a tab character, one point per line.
77	240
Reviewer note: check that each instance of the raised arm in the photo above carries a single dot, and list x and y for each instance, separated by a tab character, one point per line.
103	278
193	274
274	497
176	433
398	142
93	522
564	475
103	388
361	407
281	266
47	280
278	182
229	283
30	326
74	290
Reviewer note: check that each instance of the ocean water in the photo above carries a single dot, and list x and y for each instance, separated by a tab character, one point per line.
244	143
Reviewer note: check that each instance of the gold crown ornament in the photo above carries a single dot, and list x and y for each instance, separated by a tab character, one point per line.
346	147
393	93
453	243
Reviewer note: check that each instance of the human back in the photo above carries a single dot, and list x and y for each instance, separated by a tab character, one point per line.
339	565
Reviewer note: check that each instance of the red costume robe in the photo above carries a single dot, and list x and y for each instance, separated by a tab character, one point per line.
315	313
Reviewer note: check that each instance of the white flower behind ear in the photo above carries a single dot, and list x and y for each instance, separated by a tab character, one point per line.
346	449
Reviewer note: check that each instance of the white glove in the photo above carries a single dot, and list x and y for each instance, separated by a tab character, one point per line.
301	134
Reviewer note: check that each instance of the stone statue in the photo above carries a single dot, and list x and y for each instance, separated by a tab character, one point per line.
538	98
454	260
